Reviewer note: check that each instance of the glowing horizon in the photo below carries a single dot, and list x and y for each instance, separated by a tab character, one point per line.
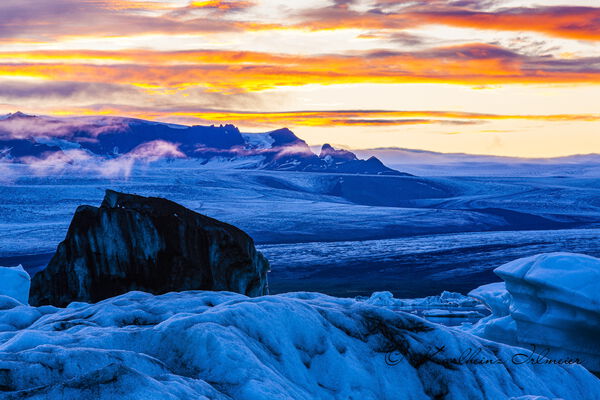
356	73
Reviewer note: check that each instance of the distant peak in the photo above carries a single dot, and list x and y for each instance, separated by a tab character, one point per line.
374	161
328	150
282	130
285	137
18	115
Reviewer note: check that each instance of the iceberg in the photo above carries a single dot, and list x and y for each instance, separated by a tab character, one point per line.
495	296
15	283
444	300
223	345
550	302
448	308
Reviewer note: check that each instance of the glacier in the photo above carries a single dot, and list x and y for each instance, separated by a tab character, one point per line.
412	236
15	282
221	345
547	301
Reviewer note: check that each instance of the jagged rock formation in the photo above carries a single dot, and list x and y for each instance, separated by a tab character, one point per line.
344	161
290	153
150	244
329	153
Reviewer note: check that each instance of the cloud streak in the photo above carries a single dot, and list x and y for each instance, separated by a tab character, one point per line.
221	5
35	20
569	22
371	117
237	72
581	23
55	90
306	118
48	21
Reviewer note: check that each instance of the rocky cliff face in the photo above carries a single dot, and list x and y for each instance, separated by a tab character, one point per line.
150	244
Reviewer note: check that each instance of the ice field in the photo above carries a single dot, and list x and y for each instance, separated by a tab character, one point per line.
340	234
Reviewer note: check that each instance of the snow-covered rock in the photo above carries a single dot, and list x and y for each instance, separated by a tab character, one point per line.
550	301
221	345
15	282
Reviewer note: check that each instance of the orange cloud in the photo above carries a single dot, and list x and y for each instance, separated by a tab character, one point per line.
35	20
369	117
132	5
330	118
234	72
222	4
582	23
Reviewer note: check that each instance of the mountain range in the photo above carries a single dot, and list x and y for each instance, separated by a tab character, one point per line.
25	137
429	163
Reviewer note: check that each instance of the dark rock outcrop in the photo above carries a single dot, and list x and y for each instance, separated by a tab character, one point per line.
337	155
150	244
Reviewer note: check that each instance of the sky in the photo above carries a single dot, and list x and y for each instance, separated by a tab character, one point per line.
499	77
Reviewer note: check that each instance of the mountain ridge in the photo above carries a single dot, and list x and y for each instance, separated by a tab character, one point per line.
24	137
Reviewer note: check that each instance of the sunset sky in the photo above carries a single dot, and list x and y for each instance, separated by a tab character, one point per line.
502	77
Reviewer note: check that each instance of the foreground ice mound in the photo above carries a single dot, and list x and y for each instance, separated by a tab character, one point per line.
220	345
15	282
551	301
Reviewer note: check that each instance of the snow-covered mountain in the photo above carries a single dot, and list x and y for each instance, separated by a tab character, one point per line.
25	136
429	163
